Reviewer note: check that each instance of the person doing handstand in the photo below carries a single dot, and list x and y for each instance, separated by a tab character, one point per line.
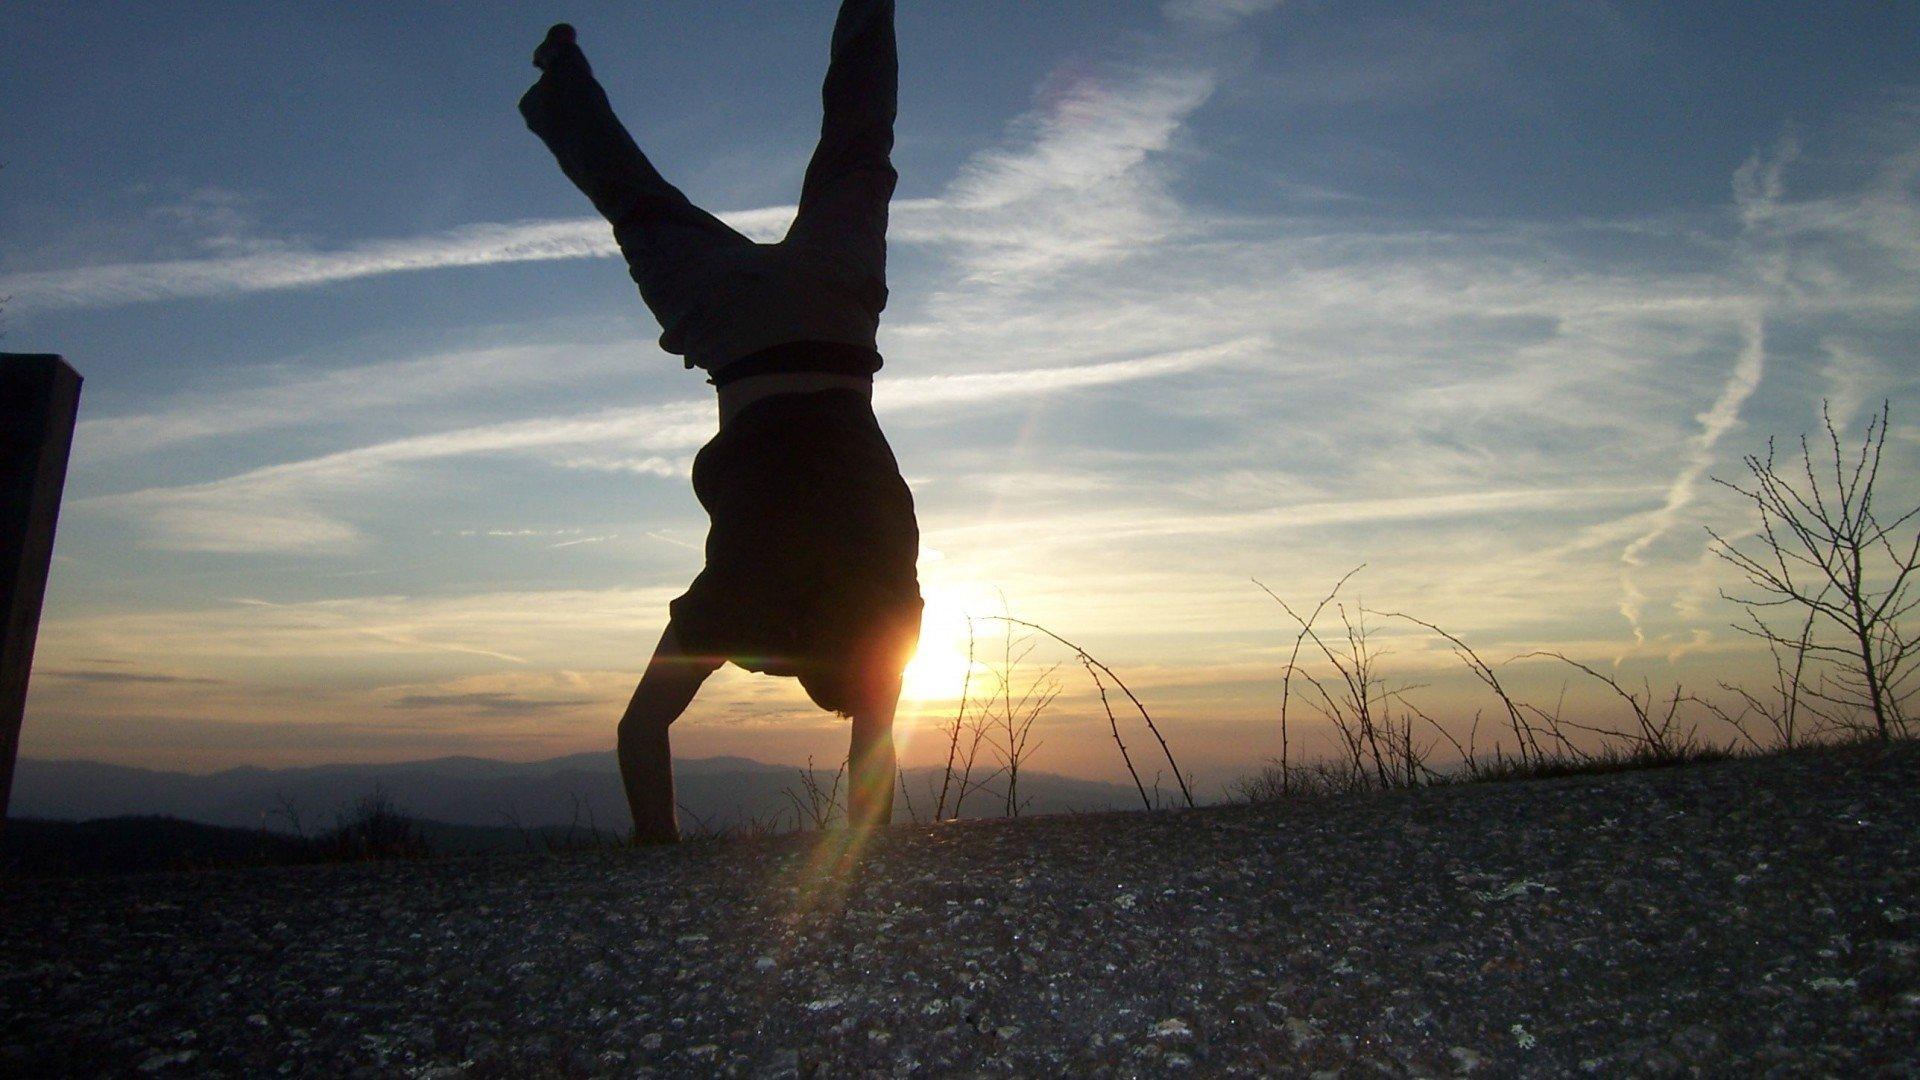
812	541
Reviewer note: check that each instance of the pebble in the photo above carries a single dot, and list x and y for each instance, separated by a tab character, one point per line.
1171	1028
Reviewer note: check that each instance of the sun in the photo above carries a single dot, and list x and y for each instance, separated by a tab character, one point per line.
938	670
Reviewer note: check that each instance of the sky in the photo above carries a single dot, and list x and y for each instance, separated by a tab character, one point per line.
378	457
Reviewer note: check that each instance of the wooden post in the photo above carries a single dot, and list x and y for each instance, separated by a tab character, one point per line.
39	398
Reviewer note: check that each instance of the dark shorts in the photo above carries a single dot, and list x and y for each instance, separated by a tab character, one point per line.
811	549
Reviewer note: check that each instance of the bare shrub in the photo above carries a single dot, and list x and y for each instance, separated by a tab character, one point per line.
1292	781
1526	736
1355	700
1374	722
756	827
997	722
968	735
1293	662
995	726
1009	716
817	805
583	832
906	794
1833	599
288	809
374	829
1101	673
1659	732
1826	556
1790	716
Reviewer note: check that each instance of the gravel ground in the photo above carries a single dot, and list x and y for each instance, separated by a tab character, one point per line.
1749	918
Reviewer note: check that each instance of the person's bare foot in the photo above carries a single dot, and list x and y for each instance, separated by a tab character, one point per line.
560	38
559	59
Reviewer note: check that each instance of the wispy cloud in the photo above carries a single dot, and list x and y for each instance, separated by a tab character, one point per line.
278	508
1803	259
926	391
1215	15
1714	425
415	637
1079	181
1851	376
1074	182
286	507
345	393
488	703
1134	521
289	266
133	678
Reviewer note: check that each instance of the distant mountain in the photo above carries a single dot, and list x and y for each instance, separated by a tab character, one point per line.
579	790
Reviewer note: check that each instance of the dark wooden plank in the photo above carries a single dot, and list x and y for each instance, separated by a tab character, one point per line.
39	398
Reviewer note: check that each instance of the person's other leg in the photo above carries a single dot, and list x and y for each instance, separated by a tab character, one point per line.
870	762
657	226
843	201
646	763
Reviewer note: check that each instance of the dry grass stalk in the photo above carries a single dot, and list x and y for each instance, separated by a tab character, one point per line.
1660	735
1093	666
953	734
1293	661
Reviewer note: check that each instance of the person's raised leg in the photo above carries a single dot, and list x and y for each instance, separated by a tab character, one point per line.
870	761
646	763
659	229
843	201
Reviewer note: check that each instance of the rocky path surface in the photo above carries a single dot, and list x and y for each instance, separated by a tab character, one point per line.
1750	918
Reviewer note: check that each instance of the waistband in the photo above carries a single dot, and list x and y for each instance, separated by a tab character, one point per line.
832	357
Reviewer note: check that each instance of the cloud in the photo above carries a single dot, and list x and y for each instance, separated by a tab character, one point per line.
288	507
927	391
1077	182
220	220
1133	521
651	465
132	678
1808	261
277	508
1215	15
1850	376
1714	424
246	639
346	394
488	703
290	266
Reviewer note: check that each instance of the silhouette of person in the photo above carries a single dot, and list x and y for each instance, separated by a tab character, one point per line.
812	541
